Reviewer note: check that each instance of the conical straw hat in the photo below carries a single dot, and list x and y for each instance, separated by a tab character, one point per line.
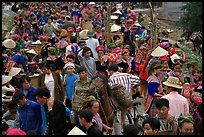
76	131
159	51
32	51
6	79
115	27
117	12
14	71
83	34
9	43
113	17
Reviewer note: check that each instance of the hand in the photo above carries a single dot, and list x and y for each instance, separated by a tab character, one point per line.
50	103
109	129
171	121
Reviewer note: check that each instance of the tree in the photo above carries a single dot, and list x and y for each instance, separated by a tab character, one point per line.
191	20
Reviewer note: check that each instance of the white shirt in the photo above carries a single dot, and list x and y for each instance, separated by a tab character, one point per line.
177	104
49	83
55	25
92	43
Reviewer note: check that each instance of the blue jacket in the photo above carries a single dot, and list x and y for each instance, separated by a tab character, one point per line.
30	117
20	59
30	95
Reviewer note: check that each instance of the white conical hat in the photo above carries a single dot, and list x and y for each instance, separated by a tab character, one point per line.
117	12
159	51
76	131
174	57
92	3
32	51
115	27
119	6
9	43
6	79
83	34
113	17
14	71
137	24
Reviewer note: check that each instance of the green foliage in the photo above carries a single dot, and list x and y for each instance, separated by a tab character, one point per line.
192	17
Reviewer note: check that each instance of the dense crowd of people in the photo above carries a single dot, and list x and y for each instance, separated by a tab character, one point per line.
56	49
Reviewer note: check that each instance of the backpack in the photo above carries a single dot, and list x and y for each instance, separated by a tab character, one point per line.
120	97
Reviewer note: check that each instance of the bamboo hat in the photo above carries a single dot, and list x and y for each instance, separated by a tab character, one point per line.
159	51
9	43
6	79
83	34
173	82
113	17
115	27
32	51
14	71
76	131
117	12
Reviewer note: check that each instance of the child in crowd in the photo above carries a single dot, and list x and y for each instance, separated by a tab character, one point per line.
151	126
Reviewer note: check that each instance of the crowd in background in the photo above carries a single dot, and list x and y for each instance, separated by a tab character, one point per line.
73	51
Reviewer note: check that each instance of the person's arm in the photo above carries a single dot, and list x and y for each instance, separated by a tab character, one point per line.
64	82
7	114
38	116
23	62
80	57
17	121
152	89
60	85
186	107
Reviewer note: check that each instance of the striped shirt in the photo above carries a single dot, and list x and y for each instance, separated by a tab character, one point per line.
125	79
163	125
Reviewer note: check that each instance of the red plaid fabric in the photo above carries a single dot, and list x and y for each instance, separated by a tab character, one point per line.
9	65
148	102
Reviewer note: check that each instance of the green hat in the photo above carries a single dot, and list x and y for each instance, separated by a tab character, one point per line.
156	64
21	41
185	118
52	50
179	53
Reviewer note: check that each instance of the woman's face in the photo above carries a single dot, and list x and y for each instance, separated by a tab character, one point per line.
95	108
45	70
126	56
165	64
187	127
158	71
119	55
177	68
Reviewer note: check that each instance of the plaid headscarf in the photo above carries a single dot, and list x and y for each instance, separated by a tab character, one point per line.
185	118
